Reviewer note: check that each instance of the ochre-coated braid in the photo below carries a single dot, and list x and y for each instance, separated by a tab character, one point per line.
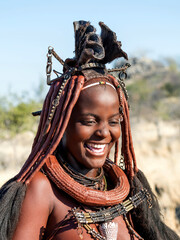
127	154
116	152
127	145
59	131
130	137
44	149
43	115
41	137
38	148
55	103
79	81
60	108
43	118
63	121
131	141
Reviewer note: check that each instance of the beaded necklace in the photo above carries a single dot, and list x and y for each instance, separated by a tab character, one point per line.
98	183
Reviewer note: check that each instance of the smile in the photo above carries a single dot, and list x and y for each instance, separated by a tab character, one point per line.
95	149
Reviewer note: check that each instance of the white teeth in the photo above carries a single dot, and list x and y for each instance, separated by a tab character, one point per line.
100	146
97	149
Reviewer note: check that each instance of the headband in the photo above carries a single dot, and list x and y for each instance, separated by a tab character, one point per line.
98	83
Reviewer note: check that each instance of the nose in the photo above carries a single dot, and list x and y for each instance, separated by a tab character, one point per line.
102	131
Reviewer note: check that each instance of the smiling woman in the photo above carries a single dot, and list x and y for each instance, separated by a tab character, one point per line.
68	187
94	126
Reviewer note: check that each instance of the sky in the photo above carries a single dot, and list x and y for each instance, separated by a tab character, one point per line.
28	27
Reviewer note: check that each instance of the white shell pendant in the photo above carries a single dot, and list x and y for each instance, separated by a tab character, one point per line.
109	230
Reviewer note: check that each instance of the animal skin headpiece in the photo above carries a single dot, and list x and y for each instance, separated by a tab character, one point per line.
92	52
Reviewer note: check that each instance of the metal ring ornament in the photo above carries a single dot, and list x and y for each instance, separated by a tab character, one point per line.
50	49
48	69
122	75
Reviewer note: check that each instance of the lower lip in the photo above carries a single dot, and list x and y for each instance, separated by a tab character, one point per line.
95	153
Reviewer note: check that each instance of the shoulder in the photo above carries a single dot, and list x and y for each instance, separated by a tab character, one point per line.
39	182
36	208
40	190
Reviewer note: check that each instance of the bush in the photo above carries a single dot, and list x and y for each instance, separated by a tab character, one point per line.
18	118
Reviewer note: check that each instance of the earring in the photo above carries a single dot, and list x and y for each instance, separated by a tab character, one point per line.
122	163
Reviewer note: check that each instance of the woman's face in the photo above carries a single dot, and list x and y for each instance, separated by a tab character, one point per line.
94	126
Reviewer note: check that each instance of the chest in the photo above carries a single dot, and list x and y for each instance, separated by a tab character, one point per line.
64	226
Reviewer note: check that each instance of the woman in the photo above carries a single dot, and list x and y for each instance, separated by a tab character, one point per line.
68	187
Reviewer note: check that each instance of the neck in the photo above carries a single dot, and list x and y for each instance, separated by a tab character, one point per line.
93	178
88	172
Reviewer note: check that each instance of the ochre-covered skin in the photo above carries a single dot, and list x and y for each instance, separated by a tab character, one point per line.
45	202
95	120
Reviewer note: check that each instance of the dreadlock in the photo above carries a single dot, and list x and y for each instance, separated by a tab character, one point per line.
127	146
46	142
12	195
147	221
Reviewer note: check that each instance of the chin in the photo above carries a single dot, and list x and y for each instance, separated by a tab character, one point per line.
96	163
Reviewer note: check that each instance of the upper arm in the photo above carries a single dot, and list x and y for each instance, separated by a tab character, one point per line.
36	208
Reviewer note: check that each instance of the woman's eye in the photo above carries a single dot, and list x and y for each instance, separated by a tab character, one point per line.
114	122
88	122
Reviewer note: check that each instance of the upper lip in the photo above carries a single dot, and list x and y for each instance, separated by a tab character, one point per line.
96	143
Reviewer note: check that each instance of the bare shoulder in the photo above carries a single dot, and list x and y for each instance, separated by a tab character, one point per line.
36	208
39	184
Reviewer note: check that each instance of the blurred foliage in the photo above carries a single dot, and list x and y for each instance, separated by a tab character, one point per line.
16	111
18	118
156	95
172	64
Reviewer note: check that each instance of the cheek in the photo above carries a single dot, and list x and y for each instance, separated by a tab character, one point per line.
78	133
116	133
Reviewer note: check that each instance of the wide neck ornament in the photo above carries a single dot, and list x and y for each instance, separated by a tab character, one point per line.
87	195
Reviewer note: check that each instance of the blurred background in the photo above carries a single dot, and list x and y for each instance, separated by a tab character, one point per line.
150	34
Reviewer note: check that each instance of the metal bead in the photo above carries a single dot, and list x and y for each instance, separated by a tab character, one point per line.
55	102
65	76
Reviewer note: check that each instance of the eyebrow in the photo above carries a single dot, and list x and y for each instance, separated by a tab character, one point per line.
94	115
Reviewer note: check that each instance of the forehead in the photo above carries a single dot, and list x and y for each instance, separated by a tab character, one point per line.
98	96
